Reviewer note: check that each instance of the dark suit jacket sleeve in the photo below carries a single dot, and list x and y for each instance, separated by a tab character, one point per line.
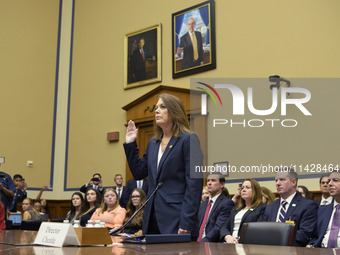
130	186
222	216
261	214
83	188
324	215
307	224
138	166
193	156
226	228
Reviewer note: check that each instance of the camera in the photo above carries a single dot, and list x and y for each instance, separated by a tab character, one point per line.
95	179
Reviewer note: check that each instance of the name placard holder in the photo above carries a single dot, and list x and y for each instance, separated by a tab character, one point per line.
56	234
59	234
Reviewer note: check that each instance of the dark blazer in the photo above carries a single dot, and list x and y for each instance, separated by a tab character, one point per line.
132	184
177	201
138	65
218	215
318	201
188	52
304	214
252	215
124	197
324	215
85	187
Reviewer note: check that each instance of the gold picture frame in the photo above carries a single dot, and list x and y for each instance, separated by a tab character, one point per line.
143	57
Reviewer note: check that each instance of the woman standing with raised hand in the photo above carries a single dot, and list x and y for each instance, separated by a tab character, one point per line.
168	159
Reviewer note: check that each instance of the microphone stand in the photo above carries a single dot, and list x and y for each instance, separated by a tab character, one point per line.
115	230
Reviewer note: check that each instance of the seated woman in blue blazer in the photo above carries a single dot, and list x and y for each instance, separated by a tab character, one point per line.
249	209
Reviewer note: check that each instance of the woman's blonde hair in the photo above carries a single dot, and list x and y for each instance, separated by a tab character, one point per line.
103	206
268	195
179	116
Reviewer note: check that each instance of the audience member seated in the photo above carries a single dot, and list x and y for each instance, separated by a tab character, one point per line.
30	211
43	202
237	195
110	211
305	192
248	209
329	217
76	207
92	201
136	199
225	192
326	198
205	194
214	211
292	207
267	196
95	182
20	192
2	215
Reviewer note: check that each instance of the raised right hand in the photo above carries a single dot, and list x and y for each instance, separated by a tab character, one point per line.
131	132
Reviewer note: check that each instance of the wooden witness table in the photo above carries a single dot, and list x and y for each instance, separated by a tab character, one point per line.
27	237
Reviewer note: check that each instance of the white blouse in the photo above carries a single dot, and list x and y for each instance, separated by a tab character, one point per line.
237	222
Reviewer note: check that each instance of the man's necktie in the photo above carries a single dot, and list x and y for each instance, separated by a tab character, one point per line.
333	235
142	52
194	45
118	193
282	211
204	221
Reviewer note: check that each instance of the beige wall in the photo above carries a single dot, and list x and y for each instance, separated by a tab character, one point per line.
253	39
28	45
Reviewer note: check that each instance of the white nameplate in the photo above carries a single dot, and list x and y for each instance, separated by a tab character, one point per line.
56	234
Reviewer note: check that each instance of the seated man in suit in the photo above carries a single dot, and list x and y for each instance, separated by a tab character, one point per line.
329	217
292	207
326	198
95	182
215	210
121	190
140	184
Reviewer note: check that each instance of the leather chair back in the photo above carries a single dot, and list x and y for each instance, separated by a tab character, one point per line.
33	225
268	233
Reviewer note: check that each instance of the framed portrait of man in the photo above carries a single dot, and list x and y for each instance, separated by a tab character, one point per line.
193	40
142	57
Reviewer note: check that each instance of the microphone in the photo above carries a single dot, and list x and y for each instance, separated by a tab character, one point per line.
115	230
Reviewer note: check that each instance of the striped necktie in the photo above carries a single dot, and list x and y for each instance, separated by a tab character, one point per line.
282	211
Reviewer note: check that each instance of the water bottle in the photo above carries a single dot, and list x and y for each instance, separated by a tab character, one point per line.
89	224
76	224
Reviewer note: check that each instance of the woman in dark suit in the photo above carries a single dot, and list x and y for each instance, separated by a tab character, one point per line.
168	159
249	209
